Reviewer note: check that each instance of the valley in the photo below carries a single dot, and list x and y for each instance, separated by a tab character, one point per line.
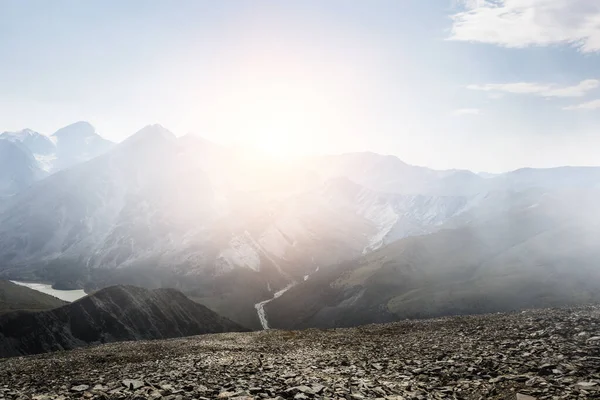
300	200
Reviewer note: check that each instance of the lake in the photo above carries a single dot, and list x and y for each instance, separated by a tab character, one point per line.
66	295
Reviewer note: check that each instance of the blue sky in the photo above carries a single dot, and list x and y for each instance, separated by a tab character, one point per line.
486	85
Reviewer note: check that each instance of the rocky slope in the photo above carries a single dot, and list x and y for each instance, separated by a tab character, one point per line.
16	297
544	354
113	314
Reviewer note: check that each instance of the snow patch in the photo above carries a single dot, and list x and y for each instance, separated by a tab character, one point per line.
46	162
240	253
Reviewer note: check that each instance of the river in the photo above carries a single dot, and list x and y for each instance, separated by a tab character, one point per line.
260	307
66	295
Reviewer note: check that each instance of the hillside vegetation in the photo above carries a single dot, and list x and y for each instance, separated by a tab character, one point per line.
16	297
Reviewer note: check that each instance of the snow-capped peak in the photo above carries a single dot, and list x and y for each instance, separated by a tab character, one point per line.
20	135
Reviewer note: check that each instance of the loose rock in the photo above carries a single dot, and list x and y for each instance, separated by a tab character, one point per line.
529	355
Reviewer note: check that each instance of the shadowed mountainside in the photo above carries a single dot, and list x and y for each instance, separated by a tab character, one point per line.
113	314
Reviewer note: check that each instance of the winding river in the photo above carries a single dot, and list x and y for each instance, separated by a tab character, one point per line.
260	307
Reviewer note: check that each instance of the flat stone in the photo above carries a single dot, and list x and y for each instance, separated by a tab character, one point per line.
132	384
586	385
227	395
521	396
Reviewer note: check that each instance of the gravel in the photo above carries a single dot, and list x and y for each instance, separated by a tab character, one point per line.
537	354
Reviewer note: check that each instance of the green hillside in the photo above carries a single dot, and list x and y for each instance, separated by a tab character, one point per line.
16	297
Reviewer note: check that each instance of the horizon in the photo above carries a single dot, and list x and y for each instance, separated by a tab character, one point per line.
295	158
440	84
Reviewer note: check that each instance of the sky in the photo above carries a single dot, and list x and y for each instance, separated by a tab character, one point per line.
486	85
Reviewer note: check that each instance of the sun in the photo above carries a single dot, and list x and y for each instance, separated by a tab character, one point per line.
275	145
276	122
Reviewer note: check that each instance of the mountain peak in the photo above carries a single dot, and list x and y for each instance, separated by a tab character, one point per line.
21	135
154	133
25	131
77	129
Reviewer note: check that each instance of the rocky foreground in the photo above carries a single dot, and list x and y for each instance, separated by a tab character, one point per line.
545	354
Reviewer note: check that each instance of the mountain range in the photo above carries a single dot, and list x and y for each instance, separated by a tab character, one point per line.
33	155
355	238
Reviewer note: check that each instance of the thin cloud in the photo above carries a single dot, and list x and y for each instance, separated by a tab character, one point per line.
466	111
537	89
523	23
590	105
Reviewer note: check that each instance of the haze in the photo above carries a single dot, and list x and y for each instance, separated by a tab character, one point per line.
438	83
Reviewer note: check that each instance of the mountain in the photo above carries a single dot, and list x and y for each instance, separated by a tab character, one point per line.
395	216
540	256
96	203
389	174
18	168
550	178
68	146
232	228
16	297
136	215
227	230
147	213
118	313
34	141
77	143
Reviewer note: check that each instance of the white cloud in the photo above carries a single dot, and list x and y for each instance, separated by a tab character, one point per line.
537	89
519	87
590	105
466	111
523	23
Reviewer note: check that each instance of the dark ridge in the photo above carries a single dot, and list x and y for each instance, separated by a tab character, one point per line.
113	314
